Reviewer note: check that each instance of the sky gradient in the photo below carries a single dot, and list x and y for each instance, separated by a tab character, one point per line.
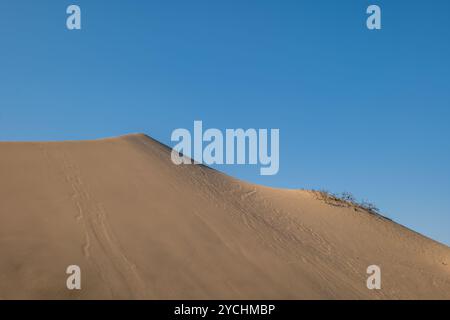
360	111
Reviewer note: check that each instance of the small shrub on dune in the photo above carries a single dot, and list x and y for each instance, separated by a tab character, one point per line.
347	200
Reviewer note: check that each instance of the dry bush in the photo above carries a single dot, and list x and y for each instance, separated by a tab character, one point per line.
347	200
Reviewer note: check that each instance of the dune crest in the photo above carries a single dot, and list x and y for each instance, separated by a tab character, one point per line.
141	227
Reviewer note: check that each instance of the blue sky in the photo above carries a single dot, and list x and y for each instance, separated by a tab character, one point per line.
358	110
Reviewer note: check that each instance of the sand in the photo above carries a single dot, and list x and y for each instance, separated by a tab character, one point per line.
141	227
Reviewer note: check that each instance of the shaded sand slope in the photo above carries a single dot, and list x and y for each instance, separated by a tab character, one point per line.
142	228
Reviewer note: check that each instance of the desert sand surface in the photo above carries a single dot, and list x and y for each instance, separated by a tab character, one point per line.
141	227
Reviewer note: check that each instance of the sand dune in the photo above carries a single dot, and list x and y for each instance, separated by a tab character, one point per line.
142	228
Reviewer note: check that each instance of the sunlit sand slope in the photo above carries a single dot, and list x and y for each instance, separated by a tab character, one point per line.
140	227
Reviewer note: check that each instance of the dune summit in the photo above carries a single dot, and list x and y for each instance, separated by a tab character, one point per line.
141	227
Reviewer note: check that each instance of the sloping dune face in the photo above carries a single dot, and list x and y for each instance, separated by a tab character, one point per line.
140	227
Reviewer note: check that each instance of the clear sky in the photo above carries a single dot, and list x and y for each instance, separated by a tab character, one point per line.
358	110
